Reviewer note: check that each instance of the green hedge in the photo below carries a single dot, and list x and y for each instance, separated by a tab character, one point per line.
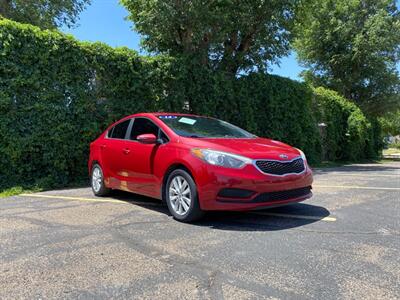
58	94
267	105
349	135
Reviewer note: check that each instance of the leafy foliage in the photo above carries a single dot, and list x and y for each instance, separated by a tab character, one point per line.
57	95
390	123
47	14
349	134
352	46
266	105
227	35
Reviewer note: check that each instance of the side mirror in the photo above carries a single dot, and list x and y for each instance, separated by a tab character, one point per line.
147	138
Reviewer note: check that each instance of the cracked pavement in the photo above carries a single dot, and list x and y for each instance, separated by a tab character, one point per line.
342	244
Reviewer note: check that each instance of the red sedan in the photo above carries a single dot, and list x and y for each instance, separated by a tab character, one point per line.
196	164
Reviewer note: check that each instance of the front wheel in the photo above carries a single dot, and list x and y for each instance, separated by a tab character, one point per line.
97	181
181	197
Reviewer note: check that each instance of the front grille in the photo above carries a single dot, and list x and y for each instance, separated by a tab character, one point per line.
282	195
280	167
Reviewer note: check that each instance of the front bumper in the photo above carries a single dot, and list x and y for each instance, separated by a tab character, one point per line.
262	190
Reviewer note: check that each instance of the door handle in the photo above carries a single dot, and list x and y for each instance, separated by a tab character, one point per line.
126	151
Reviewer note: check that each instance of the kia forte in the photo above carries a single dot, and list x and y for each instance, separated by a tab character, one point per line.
197	164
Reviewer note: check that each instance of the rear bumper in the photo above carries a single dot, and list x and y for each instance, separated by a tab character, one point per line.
227	189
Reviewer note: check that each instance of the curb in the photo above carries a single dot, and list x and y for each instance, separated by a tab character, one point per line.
392	156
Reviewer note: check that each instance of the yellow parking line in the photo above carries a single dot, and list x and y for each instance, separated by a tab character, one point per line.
88	199
326	219
356	187
71	198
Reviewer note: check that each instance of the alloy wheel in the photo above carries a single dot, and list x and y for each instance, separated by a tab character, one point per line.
97	178
180	195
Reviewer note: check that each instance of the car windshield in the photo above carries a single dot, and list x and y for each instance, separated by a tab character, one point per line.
203	127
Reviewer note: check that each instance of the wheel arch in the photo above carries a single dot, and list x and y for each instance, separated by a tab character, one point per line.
171	168
91	164
94	162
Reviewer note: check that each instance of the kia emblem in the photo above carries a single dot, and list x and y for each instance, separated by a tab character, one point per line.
283	156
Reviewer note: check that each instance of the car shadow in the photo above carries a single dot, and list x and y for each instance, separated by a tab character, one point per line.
273	219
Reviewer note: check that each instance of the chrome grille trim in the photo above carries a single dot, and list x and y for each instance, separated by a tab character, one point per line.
281	162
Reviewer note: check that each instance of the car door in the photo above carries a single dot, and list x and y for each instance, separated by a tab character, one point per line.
115	153
141	164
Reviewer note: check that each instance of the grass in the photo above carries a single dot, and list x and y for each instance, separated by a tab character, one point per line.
15	190
38	187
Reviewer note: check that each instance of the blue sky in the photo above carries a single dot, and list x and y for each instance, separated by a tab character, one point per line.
104	20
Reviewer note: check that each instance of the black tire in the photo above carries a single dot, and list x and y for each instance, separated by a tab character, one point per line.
194	211
101	190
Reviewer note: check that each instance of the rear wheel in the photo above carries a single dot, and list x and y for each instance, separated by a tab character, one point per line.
97	181
181	197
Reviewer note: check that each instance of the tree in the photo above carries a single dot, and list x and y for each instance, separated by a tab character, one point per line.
229	35
352	46
390	123
47	14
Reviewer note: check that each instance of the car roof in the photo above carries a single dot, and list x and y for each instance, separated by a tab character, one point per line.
156	114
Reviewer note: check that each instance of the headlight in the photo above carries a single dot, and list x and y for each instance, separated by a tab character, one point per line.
303	156
222	159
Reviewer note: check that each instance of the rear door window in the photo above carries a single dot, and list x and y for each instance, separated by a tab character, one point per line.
119	130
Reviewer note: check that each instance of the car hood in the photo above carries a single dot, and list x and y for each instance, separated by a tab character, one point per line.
255	148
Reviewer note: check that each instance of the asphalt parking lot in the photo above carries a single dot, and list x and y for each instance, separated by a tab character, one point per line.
344	243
